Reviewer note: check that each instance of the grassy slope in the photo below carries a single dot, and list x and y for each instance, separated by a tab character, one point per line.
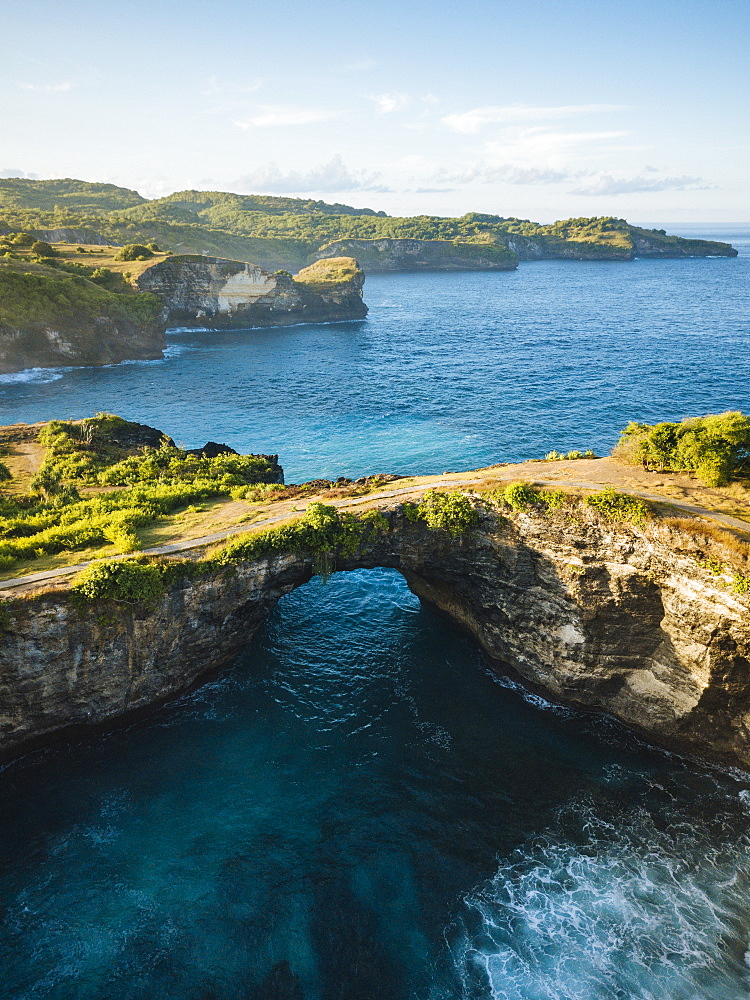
35	294
275	232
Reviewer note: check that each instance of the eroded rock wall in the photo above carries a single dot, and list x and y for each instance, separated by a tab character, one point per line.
612	618
217	293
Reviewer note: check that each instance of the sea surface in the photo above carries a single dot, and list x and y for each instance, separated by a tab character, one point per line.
358	807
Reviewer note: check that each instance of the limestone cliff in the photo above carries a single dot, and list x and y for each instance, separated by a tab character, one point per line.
607	616
217	293
385	254
48	319
625	243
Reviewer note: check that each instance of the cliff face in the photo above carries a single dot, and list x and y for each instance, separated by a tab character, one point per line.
210	291
617	619
49	320
624	244
382	255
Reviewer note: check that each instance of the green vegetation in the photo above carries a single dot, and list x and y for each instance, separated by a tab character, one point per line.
286	232
136	251
716	447
325	275
5	474
521	495
59	300
560	456
156	481
42	249
324	532
619	506
128	580
451	512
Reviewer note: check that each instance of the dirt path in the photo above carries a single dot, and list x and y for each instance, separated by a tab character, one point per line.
288	509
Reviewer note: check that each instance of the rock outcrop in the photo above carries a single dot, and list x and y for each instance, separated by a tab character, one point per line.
385	254
217	293
623	244
607	616
52	320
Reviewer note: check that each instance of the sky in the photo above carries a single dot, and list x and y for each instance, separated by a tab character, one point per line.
541	109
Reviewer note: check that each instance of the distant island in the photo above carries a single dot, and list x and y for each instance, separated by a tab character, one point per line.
291	233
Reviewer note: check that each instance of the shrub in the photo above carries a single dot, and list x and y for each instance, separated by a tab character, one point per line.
134	251
716	447
451	512
43	249
126	580
519	495
741	584
5	473
618	506
323	532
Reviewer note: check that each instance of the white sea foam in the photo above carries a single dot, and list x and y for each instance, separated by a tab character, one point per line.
38	375
632	910
529	697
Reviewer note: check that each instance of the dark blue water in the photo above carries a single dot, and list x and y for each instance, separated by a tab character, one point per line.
357	808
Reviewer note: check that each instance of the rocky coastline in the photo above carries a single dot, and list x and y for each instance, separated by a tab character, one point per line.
61	320
614	618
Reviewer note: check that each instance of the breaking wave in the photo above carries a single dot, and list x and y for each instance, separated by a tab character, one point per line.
619	906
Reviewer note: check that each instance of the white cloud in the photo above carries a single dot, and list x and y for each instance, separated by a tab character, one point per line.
507	173
325	178
388	103
606	184
46	88
217	86
473	121
270	116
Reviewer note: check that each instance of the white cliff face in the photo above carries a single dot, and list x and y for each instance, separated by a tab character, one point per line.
212	292
243	288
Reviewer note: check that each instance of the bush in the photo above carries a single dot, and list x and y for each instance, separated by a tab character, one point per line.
135	251
716	447
43	249
451	512
126	580
5	473
618	506
323	532
519	495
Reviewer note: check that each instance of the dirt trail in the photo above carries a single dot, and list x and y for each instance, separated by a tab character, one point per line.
602	472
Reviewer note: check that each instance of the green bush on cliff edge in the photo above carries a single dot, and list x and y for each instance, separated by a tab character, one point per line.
128	581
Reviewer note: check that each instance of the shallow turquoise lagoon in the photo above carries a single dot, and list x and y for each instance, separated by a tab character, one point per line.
358	808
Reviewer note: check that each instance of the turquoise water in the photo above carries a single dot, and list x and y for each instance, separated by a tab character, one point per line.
357	808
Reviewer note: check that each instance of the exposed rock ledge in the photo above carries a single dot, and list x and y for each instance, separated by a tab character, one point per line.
54	319
614	618
218	293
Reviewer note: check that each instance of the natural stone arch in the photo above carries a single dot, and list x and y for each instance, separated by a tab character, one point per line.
609	617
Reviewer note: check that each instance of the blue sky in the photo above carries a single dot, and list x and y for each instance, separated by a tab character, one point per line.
542	109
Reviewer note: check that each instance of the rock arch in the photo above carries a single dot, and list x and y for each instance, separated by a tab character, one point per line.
609	617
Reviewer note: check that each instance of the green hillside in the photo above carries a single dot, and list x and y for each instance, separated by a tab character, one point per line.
280	232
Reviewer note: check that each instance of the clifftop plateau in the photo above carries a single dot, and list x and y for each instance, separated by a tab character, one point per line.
594	596
290	233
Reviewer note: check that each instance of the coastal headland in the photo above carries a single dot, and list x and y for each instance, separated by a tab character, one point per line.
75	305
602	584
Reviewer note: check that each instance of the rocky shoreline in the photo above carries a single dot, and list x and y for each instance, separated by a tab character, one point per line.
609	617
